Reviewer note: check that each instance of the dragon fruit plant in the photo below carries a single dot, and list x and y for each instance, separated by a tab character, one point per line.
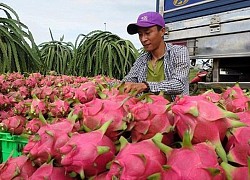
88	154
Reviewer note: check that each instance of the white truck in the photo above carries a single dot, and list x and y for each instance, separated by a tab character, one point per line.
212	29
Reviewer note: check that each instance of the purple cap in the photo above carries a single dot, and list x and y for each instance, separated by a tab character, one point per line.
146	19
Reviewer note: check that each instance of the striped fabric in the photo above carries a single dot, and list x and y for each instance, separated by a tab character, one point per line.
176	69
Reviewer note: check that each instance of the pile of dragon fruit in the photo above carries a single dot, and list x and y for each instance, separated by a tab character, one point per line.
84	128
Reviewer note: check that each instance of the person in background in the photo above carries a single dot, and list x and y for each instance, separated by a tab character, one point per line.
164	67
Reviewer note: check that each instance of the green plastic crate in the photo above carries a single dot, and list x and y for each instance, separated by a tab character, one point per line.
11	145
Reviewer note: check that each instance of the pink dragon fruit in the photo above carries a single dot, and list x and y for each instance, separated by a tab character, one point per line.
48	80
78	109
4	101
14	97
48	171
212	96
32	81
244	117
36	91
98	111
6	114
38	106
79	79
5	86
100	79
14	125
85	93
238	146
39	149
63	80
44	145
101	176
205	120
45	92
38	76
51	97
118	95
234	99
23	107
67	92
77	127
150	117
88	154
139	160
17	83
16	168
59	108
236	173
33	125
24	92
14	76
189	162
20	95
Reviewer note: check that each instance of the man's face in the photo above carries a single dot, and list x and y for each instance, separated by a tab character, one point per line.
151	37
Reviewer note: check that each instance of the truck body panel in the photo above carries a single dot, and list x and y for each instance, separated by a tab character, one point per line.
187	9
211	29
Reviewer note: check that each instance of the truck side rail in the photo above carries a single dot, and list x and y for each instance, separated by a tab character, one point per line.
222	85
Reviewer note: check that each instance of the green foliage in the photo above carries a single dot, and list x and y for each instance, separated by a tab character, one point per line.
57	55
101	52
97	53
18	51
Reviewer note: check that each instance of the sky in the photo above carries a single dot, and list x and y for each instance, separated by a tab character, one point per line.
69	18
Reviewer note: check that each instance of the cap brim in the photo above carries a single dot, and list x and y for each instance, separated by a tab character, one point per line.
132	29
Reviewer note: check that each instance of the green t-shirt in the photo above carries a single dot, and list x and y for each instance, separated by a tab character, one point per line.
156	74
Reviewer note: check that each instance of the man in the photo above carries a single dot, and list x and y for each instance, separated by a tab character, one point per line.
164	67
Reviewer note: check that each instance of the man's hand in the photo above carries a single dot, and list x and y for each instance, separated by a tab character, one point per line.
134	87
